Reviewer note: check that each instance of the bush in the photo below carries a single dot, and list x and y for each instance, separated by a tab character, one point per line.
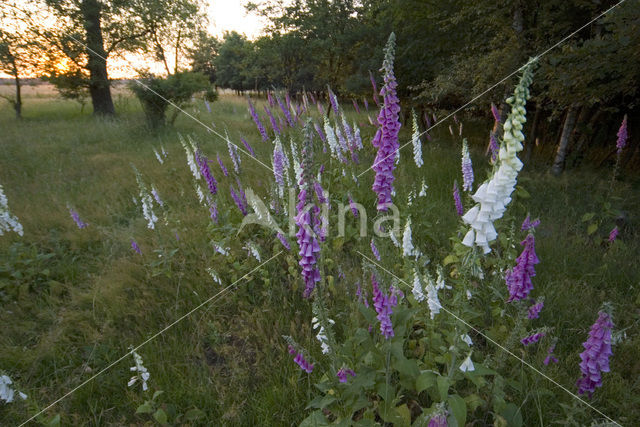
156	94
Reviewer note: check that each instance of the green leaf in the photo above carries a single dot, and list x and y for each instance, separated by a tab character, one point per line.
450	259
316	418
592	228
145	408
588	216
425	380
404	414
156	394
512	415
459	408
54	421
443	387
160	416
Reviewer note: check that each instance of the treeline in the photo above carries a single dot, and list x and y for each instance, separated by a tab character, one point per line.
451	52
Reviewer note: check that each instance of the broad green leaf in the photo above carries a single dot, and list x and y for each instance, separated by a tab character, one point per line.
425	380
459	408
443	387
316	418
512	415
160	416
145	408
588	216
592	228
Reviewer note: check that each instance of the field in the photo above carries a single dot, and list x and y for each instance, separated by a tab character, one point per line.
73	301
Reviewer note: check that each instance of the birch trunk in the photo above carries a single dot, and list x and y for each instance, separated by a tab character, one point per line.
567	130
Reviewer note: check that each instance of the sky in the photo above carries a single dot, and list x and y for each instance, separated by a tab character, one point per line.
230	15
223	15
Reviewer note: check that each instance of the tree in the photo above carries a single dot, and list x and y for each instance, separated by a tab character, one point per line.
115	27
176	89
203	54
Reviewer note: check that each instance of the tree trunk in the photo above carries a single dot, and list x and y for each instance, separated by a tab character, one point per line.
97	63
17	105
567	130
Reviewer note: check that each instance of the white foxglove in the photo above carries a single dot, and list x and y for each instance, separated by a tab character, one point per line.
142	374
8	222
415	140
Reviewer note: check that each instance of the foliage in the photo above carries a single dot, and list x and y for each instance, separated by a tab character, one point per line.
156	94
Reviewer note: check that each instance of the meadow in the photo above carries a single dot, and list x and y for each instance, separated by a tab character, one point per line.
73	301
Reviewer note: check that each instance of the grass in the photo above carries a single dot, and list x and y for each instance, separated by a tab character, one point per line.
75	300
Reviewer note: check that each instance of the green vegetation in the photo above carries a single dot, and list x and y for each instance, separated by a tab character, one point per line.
72	301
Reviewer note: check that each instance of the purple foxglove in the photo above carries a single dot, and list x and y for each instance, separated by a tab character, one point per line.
467	168
613	234
222	167
550	357
534	310
493	146
374	250
333	100
375	89
595	357
384	305
301	361
278	165
238	200
386	138
135	247
528	225
248	147
256	119
318	129
76	218
622	135
272	120
285	111
284	241
534	338
519	278
495	112
342	374
366	104
213	209
203	164
456	199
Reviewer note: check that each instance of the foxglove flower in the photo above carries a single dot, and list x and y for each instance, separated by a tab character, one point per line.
7	393
301	361
190	149
532	338
332	139
466	339
135	247
356	136
319	131
156	195
386	138
278	165
283	240
8	221
256	119
214	276
213	209
384	307
407	245
342	374
160	160
456	199
438	420
595	357
355	106
252	250
308	219
550	357
203	164
285	111
366	104
432	298
519	278
622	135
527	224
142	374
353	207
78	221
415	140
233	153
493	196
417	287
237	198
321	336
222	167
613	234
534	310
467	168
467	364
495	112
248	146
423	189
494	146
333	100
374	250
272	120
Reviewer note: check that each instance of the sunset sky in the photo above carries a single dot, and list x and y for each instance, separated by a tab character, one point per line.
224	15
